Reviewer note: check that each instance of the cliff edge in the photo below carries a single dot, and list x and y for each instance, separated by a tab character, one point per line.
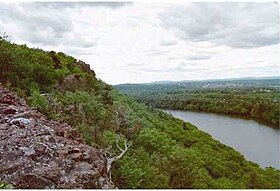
39	153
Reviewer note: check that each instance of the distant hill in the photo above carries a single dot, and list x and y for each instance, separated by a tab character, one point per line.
261	82
142	147
255	98
206	80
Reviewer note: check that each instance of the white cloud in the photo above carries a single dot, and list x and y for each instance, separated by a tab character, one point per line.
242	25
150	42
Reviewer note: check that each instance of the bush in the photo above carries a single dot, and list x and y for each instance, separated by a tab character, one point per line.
5	186
39	101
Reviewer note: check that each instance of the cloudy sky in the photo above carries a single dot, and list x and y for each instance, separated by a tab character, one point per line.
144	42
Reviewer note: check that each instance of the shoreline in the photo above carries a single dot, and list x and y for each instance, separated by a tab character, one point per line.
270	125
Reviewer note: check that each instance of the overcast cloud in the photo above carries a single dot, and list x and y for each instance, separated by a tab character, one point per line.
134	42
241	25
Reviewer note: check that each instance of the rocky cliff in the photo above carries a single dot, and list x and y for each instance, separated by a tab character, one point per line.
39	153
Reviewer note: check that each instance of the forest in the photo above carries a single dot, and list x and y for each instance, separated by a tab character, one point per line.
256	99
160	152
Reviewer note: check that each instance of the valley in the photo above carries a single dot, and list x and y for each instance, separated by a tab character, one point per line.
155	149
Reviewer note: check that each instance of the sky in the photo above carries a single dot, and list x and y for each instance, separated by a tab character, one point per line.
146	42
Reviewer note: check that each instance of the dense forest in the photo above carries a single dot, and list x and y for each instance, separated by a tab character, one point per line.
160	152
256	99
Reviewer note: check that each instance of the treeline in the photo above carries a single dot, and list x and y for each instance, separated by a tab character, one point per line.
161	153
260	104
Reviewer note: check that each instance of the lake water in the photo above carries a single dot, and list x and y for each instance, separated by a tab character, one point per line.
258	143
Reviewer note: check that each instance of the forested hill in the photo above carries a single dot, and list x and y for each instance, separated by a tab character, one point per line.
143	147
253	98
272	82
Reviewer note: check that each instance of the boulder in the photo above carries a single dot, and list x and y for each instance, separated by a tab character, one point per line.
84	67
38	153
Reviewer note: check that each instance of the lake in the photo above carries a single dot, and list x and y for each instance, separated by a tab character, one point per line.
257	142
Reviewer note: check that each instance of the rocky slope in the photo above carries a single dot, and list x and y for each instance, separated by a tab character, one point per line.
38	153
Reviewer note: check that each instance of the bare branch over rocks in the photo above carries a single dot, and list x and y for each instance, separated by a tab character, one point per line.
111	160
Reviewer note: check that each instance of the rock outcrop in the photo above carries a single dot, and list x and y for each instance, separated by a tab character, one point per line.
84	67
39	153
72	83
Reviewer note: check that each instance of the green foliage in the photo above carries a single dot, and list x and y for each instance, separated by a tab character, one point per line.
188	158
155	141
225	183
39	101
87	132
165	152
90	108
254	101
136	170
22	67
62	73
5	186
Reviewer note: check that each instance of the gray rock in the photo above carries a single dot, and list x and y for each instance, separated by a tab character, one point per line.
21	122
38	153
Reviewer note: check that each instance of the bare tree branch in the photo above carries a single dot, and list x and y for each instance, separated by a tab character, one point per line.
115	158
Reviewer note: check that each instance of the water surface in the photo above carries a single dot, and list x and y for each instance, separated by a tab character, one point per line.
257	142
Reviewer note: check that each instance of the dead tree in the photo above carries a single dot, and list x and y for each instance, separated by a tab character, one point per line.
110	160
